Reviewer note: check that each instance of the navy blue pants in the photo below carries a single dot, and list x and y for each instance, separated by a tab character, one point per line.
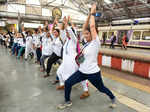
57	78
53	59
39	54
17	49
95	79
14	48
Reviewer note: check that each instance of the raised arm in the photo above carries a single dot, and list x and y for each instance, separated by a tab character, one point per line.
54	23
63	25
70	31
92	23
62	29
85	25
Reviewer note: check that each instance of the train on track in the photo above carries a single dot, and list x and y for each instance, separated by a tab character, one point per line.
138	35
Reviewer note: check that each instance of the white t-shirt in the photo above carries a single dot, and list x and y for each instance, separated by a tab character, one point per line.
34	39
20	40
43	34
0	36
90	64
57	46
22	43
46	46
63	35
29	41
24	33
15	39
37	40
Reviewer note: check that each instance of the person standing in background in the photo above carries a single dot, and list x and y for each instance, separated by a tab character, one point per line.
125	42
104	39
113	40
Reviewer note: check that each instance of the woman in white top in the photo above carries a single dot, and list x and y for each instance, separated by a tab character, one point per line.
14	43
19	42
29	44
68	65
34	42
56	47
1	36
37	45
89	68
46	49
22	49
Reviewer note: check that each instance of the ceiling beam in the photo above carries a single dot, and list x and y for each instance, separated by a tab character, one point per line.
49	3
84	12
145	3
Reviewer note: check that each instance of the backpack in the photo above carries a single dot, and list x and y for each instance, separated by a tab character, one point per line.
114	39
126	39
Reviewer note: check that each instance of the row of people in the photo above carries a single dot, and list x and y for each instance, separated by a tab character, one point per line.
47	44
79	62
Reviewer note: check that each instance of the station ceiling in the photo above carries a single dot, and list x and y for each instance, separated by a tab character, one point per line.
111	9
114	9
118	9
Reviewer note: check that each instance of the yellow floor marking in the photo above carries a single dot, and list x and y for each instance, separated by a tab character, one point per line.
139	107
127	82
133	104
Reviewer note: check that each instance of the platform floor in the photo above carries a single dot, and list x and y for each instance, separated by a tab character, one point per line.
23	89
131	50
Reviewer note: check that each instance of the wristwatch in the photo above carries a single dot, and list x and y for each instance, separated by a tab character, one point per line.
93	14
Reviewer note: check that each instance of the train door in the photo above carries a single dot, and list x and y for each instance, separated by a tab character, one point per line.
121	33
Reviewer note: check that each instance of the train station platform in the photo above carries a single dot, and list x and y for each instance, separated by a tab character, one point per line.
130	50
23	89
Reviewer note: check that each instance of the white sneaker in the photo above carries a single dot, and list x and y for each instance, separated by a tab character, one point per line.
113	103
64	105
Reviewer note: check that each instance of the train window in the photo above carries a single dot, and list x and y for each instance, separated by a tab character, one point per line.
109	35
146	35
136	35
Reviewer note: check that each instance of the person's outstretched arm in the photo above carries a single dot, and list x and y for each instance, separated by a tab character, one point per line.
86	23
54	23
92	23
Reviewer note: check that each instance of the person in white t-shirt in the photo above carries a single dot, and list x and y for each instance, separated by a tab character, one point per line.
29	44
46	49
7	40
11	37
68	65
35	40
1	36
56	47
2	39
37	44
87	59
14	44
19	42
22	44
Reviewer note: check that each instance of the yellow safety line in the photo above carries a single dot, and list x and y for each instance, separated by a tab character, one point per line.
127	82
133	104
139	107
